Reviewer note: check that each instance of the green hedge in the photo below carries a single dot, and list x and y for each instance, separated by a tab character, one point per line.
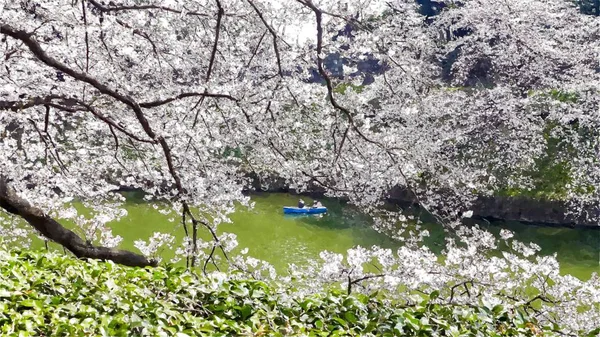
46	294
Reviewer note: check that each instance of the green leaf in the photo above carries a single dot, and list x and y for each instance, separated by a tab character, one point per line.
29	303
340	321
594	333
241	292
498	309
246	311
350	317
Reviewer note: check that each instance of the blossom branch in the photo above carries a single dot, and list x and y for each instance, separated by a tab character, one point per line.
117	8
157	103
53	230
54	151
37	50
273	35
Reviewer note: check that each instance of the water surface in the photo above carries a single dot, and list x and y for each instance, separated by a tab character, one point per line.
280	239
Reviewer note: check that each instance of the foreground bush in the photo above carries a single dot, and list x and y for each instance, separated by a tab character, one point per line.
45	294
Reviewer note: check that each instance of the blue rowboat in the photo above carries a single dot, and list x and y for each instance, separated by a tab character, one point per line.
305	210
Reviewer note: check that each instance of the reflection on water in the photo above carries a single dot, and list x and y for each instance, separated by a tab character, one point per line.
297	216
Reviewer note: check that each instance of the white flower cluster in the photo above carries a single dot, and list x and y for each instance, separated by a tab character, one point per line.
156	241
192	109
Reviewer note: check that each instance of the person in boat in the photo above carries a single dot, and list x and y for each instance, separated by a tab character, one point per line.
300	203
317	204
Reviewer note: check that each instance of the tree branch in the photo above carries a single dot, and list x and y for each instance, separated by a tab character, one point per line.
364	278
213	53
117	8
330	91
157	103
34	101
68	104
87	44
37	50
273	35
53	230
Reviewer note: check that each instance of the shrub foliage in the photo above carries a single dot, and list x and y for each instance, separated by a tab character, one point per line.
46	294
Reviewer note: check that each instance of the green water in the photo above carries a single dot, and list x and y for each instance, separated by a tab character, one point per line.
281	239
577	249
268	233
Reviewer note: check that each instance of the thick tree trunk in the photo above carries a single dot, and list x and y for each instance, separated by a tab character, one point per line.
53	230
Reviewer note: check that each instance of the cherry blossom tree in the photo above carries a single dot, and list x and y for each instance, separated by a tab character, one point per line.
185	99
